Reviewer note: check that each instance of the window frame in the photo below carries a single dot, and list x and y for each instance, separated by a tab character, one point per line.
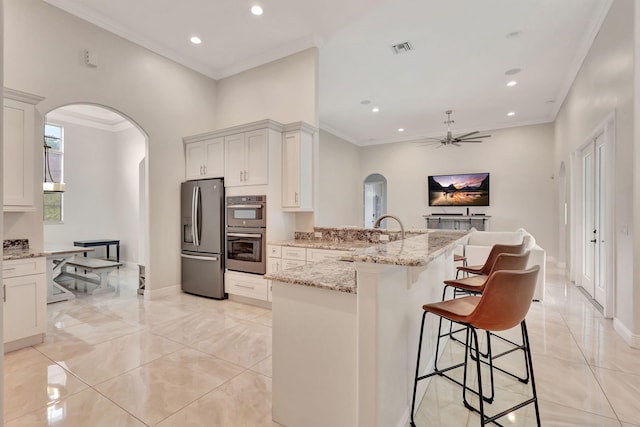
60	219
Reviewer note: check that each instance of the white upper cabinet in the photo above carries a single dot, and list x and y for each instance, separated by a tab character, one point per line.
247	158
204	158
19	150
297	167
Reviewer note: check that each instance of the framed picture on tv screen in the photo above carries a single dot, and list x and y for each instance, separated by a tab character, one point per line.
459	190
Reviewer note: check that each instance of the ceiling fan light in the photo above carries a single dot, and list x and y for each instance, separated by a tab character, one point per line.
511	113
512	83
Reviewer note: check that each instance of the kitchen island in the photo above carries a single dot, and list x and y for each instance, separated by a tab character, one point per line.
345	332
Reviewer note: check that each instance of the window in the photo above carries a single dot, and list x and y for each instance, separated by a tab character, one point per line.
53	168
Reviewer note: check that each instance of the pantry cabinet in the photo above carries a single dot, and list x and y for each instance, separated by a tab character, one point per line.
297	167
247	158
204	158
20	150
25	302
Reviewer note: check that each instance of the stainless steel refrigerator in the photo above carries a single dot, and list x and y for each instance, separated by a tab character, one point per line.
203	238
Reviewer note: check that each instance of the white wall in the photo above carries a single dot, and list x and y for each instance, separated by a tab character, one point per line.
605	84
101	197
166	100
520	161
129	153
284	90
340	185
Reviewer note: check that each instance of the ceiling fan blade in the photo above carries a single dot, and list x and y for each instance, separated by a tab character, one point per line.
478	136
465	141
466	134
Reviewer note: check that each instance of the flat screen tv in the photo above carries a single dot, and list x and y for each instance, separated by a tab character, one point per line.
459	190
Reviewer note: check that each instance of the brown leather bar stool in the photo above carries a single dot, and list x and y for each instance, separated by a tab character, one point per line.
485	268
503	305
474	285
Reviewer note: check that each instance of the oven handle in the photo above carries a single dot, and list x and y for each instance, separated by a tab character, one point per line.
245	206
257	235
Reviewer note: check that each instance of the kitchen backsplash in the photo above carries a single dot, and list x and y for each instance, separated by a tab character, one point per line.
15	244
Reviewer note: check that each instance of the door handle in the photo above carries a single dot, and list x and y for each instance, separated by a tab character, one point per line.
593	241
201	258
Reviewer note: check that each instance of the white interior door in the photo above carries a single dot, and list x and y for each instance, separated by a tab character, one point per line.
594	219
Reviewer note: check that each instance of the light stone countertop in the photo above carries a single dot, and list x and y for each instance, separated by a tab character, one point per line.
331	274
13	254
339	275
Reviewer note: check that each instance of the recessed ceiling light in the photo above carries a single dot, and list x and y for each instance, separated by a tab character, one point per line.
512	83
400	129
195	40
512	71
256	10
375	109
511	113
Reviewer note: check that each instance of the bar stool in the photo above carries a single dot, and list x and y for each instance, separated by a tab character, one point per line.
474	285
496	250
503	305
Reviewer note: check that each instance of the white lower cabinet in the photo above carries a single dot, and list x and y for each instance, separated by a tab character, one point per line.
316	255
25	302
246	285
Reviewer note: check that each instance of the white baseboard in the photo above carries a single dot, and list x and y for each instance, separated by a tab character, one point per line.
250	301
162	292
630	338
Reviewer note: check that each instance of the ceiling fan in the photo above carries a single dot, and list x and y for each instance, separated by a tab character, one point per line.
450	139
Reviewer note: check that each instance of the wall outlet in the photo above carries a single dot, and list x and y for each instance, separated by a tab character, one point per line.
317	235
384	237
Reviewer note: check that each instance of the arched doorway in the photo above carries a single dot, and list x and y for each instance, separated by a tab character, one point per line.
375	198
101	156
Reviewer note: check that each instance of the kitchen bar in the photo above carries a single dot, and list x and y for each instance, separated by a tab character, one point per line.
345	332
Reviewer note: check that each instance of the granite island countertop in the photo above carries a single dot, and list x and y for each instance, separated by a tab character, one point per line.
13	254
339	274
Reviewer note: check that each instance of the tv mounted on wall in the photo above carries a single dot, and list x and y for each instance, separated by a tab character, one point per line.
459	190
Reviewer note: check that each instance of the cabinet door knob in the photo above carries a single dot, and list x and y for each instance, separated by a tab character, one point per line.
240	175
4	293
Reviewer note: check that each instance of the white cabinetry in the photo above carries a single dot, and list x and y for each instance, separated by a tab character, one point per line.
247	159
246	285
25	302
297	167
204	158
317	255
19	150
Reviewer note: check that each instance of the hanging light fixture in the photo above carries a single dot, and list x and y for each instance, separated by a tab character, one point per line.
49	186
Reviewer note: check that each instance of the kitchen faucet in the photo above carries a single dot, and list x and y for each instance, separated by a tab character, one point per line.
377	222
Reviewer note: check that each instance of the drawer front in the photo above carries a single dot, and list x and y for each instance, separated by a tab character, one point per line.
274	251
289	252
23	267
292	263
316	255
246	286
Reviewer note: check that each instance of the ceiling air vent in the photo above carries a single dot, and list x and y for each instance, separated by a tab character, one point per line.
402	48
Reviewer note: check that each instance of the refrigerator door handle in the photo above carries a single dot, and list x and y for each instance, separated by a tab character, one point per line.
196	219
193	210
201	258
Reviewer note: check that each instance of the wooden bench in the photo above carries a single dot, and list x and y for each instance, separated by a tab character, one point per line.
99	267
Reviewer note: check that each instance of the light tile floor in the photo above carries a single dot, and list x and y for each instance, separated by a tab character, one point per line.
118	360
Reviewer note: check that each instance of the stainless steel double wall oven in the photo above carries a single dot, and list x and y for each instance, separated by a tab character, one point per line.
246	234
